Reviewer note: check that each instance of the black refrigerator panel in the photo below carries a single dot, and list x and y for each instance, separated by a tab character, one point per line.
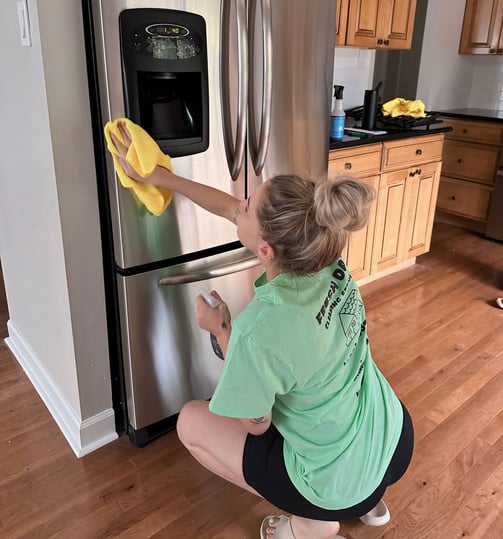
165	77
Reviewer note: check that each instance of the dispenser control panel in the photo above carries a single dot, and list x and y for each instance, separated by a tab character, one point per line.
167	41
165	77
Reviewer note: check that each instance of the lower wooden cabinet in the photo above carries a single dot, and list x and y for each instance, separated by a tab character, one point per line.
465	199
472	152
420	202
390	224
358	251
401	218
405	214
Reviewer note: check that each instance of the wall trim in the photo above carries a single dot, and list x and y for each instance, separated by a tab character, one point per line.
83	436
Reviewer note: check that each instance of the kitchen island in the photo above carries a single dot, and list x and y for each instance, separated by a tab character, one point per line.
404	169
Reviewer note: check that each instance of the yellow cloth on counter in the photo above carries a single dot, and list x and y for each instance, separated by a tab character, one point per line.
143	155
404	107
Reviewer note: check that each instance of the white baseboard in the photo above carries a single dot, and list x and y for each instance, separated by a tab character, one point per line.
84	436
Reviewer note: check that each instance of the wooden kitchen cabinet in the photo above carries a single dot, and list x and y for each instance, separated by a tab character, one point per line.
364	162
376	24
470	160
341	21
405	174
390	223
420	201
464	199
405	214
358	251
407	199
481	32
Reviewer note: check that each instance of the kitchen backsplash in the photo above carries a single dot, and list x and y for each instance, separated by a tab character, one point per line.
487	83
353	69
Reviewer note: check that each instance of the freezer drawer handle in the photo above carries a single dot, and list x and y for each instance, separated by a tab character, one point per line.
244	263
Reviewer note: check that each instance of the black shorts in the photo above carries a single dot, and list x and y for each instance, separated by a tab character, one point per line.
264	470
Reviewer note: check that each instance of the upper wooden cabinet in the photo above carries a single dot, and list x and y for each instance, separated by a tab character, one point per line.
482	27
375	24
341	21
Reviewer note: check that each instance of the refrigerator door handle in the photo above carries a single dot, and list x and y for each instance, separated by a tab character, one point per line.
235	151
259	150
246	261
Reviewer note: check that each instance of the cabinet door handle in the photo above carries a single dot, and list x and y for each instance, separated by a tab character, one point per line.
419	151
460	160
465	131
386	42
418	171
453	197
379	41
492	51
347	166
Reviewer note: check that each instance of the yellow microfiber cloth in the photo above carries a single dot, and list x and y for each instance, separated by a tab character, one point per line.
143	155
404	107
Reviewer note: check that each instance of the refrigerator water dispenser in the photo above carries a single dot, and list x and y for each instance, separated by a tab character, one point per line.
165	77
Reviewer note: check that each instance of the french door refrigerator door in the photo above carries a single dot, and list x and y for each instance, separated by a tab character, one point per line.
140	237
290	82
168	359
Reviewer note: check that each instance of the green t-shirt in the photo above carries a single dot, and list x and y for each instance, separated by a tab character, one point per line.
300	349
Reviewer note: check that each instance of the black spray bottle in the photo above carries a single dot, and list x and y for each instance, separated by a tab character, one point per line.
338	117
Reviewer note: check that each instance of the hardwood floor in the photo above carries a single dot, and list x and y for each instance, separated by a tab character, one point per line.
436	334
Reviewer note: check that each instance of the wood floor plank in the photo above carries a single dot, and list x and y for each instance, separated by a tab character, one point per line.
482	512
435	333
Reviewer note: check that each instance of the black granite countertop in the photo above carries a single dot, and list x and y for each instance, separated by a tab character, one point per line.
473	114
350	141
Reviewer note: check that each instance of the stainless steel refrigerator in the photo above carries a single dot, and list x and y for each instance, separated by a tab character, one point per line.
235	91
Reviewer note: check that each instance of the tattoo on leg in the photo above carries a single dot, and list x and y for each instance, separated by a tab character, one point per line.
258	420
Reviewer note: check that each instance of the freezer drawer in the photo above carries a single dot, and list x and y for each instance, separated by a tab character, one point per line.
168	359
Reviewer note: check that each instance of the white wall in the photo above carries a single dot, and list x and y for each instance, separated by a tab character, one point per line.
445	77
49	230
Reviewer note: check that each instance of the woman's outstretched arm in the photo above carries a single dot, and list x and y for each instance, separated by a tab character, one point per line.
209	198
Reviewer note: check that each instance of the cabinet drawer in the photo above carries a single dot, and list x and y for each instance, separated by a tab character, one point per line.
408	152
483	132
464	198
476	162
362	161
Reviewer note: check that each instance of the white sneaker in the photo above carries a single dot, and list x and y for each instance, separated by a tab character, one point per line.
379	516
499	302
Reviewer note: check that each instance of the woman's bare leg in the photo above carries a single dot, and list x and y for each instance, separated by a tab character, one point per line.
215	441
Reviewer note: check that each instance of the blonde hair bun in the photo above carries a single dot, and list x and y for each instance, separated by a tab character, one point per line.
307	222
342	203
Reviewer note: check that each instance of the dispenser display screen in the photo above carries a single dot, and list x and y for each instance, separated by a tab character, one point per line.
167	30
167	41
